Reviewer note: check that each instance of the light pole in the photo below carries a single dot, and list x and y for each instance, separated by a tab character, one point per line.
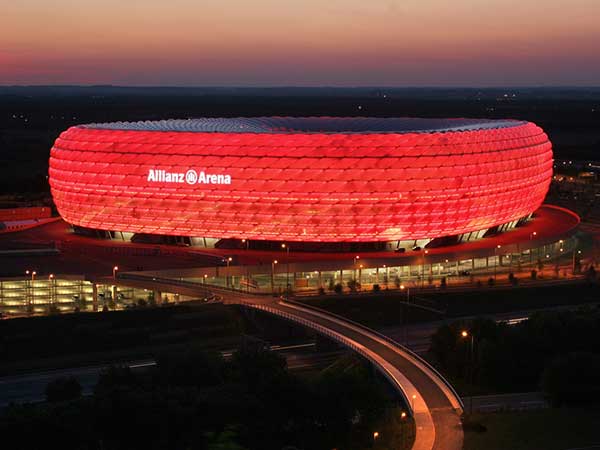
360	275
273	276
423	268
33	273
387	278
574	260
115	269
287	266
51	287
465	334
228	261
375	436
532	236
405	319
496	259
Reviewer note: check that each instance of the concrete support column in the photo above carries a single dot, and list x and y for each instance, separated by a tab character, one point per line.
456	266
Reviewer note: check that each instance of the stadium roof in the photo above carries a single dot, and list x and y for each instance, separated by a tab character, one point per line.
292	125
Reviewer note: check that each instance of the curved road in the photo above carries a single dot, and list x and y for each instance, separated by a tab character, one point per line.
436	413
436	407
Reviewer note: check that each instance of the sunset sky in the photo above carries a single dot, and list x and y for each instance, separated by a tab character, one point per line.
302	42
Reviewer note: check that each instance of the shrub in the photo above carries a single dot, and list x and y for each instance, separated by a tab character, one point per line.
573	379
63	389
376	288
491	281
321	290
338	288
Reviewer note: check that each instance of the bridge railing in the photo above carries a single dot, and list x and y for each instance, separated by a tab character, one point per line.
342	340
209	288
388	340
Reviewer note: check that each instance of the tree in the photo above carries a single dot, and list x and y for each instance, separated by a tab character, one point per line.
225	440
331	285
115	376
353	285
590	274
573	379
63	389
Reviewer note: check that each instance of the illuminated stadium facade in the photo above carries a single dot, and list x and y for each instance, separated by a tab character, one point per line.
305	180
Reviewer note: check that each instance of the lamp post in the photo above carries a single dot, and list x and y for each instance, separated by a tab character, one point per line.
356	258
574	260
387	278
423	268
287	266
496	259
405	315
33	273
227	261
532	236
360	267
115	269
51	287
465	334
273	275
375	435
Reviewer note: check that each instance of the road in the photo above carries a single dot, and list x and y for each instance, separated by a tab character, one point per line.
506	402
436	415
30	387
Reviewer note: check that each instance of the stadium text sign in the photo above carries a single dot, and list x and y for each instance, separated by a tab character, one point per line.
189	177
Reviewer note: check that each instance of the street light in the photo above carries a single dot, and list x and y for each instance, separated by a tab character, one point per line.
423	268
33	274
228	261
465	334
50	287
375	435
287	268
496	259
115	269
405	322
532	235
273	275
356	258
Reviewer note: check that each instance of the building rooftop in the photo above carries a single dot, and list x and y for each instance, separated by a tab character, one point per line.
294	125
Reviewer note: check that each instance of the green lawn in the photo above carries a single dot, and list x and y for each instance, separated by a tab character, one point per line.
549	429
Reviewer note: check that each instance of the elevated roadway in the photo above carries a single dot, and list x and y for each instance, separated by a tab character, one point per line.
430	399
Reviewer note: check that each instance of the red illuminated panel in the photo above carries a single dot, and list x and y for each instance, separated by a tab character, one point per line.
295	186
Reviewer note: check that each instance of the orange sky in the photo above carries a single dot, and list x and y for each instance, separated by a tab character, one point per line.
308	42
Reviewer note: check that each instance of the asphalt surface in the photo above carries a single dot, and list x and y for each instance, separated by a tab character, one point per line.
448	429
31	387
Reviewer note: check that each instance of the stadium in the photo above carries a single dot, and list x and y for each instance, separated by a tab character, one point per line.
398	182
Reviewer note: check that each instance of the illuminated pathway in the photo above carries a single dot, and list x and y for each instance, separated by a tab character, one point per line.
435	405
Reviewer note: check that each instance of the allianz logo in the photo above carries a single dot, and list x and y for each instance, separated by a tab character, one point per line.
189	177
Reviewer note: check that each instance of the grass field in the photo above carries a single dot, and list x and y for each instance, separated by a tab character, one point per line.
548	429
